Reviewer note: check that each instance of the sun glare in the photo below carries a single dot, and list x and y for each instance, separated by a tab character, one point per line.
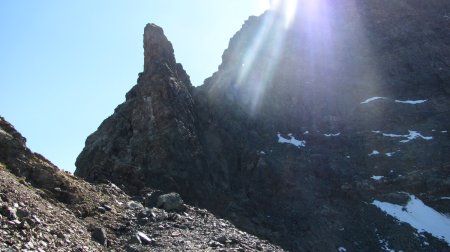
288	9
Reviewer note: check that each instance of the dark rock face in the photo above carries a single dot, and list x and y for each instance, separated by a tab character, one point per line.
365	85
151	138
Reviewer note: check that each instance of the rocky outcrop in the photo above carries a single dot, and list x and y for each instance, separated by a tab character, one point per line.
302	127
45	209
151	139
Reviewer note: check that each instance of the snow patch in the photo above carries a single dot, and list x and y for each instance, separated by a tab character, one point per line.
385	245
420	216
376	131
342	249
394	135
445	198
389	154
444	131
411	136
411	101
306	133
332	135
377	177
414	135
293	141
374	152
373	99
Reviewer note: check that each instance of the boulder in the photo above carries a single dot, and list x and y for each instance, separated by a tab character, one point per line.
170	202
99	235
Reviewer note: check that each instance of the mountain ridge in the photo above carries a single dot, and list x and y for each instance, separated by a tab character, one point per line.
359	88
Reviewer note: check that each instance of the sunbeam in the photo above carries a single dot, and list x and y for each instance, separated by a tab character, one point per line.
269	33
288	9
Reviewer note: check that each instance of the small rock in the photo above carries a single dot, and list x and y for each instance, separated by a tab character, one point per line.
170	202
24	225
99	235
144	213
101	209
214	244
144	238
14	222
22	213
36	220
135	205
60	235
107	207
222	239
9	212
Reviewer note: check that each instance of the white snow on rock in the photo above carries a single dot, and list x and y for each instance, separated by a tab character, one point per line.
389	154
373	99
411	136
444	131
385	245
445	198
420	216
342	249
411	101
306	133
377	177
374	152
394	135
332	135
293	141
376	131
414	135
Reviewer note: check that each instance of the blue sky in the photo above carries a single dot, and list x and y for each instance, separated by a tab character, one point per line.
65	65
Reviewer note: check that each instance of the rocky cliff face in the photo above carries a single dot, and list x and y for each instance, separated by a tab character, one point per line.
152	137
303	131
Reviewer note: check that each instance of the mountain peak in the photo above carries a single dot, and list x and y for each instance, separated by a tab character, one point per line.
157	48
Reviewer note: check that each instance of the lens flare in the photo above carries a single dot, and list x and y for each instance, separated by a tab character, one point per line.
287	8
254	82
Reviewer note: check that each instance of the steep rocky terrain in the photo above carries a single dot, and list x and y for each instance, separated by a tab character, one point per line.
45	209
305	132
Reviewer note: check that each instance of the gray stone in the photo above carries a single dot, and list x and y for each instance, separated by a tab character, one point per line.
144	238
135	205
101	209
9	212
170	202
107	207
99	235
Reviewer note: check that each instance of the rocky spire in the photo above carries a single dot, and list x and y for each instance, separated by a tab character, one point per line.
152	132
157	48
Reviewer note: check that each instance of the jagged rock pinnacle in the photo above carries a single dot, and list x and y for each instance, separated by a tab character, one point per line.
157	48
